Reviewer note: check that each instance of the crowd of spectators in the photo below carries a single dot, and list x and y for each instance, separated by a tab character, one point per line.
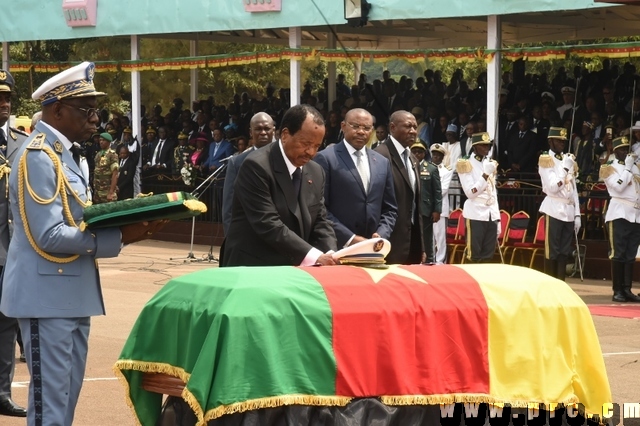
594	106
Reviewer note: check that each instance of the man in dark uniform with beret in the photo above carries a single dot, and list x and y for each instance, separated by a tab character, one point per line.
10	141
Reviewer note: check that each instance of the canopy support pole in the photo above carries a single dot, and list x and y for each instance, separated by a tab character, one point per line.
136	117
331	68
494	41
193	93
295	41
5	55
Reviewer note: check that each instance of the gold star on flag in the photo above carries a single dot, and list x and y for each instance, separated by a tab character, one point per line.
378	274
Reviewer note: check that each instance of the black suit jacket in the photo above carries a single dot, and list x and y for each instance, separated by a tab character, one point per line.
125	179
269	226
403	249
522	151
166	154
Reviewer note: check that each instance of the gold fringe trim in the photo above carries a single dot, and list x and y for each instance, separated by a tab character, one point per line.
463	166
276	401
195	205
149	367
315	400
141	195
606	170
545	161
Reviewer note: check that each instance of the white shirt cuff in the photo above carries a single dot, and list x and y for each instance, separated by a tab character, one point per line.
311	258
349	242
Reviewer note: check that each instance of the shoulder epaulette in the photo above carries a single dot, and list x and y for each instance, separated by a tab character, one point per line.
545	161
609	162
606	170
13	131
463	166
37	142
447	167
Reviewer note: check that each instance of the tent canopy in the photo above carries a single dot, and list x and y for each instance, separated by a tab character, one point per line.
453	23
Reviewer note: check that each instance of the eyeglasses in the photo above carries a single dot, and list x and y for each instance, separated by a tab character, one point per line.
360	127
89	111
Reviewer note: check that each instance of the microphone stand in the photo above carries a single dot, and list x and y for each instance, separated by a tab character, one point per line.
200	189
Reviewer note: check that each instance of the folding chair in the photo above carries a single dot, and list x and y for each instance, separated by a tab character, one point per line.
516	231
505	218
459	240
535	247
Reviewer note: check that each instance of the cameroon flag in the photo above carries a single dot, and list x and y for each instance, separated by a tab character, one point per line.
250	338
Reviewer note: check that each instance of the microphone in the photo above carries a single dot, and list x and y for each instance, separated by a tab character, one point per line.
224	160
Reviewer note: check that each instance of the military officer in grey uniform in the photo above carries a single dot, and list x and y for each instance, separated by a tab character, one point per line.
561	205
10	141
622	178
478	180
51	281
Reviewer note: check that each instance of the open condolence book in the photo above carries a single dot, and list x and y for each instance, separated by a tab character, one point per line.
172	206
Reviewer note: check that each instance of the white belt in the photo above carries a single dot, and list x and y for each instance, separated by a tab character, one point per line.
635	205
484	201
562	200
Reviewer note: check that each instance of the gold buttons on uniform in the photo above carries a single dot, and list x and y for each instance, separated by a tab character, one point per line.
60	270
89	251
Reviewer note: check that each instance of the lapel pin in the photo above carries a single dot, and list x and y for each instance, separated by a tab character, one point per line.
309	181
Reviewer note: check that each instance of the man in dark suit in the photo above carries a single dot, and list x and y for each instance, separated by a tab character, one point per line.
278	215
261	128
358	188
160	160
10	141
126	173
406	238
522	149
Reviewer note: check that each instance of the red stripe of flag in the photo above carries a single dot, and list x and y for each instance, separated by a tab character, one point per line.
403	337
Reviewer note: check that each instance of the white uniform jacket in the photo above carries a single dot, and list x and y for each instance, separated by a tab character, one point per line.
445	180
624	188
482	196
561	201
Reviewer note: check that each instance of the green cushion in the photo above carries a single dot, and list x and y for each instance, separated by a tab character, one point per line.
173	205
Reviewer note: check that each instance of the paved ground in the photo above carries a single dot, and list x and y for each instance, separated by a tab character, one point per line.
131	279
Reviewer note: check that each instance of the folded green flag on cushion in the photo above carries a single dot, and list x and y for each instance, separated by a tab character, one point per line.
172	205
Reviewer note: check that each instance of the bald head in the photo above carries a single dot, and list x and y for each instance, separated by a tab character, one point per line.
403	127
261	129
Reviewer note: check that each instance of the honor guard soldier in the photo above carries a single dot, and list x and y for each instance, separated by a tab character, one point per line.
430	201
478	180
10	140
440	227
561	205
51	282
622	178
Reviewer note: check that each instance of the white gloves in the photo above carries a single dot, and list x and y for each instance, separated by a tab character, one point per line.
577	224
628	162
499	228
489	167
567	162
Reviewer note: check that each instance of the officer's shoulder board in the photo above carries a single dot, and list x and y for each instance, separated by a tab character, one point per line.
463	165
545	161
607	170
37	142
13	131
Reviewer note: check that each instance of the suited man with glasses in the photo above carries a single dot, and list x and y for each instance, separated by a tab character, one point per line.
358	190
